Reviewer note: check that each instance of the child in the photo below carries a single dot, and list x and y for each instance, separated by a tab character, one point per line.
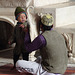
19	35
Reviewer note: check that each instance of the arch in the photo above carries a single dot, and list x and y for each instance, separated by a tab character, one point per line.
8	20
6	28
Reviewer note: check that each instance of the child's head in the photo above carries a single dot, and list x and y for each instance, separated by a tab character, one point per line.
20	15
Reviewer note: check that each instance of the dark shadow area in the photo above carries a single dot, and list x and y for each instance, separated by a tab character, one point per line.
5	33
7	53
6	30
6	69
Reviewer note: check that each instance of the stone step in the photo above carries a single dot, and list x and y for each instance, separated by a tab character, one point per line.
47	2
63	13
71	65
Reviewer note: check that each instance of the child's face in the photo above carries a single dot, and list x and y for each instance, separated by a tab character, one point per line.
22	18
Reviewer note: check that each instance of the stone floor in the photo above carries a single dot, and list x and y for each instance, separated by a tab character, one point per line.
4	61
6	56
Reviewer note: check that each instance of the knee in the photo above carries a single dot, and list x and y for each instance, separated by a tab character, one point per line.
18	63
21	63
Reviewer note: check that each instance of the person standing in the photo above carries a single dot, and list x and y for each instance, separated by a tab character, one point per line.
19	35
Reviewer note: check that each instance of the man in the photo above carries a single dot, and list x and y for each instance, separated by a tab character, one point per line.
53	51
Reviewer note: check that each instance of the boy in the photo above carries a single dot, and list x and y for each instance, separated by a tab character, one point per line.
19	35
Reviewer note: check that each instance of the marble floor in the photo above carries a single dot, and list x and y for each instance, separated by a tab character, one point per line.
6	56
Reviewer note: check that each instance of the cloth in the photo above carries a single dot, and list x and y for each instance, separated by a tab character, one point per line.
32	67
54	54
18	11
18	37
37	43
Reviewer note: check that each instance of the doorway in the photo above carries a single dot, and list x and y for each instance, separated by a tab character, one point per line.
5	33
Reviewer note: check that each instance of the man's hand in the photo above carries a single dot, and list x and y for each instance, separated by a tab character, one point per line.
25	29
9	42
22	26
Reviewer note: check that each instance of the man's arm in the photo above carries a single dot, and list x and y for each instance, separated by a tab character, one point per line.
37	43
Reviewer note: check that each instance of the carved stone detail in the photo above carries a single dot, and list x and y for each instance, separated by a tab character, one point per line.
12	3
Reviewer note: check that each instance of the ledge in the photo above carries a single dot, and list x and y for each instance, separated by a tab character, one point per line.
54	6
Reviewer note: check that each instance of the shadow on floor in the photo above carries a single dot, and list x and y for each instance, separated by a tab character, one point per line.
7	53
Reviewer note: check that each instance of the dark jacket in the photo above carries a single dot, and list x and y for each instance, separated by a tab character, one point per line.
18	38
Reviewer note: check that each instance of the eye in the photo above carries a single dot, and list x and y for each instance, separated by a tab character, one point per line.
24	16
20	17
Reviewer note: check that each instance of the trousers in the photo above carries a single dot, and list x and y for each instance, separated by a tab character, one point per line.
32	67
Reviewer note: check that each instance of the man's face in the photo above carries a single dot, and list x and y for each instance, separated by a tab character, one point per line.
22	18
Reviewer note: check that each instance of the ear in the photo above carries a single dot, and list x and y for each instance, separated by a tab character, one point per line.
41	25
26	16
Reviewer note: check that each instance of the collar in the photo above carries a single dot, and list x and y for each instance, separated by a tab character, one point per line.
19	23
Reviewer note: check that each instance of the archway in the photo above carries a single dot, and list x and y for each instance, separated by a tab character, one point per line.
6	28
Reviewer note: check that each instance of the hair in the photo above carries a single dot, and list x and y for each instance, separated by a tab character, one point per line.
45	27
